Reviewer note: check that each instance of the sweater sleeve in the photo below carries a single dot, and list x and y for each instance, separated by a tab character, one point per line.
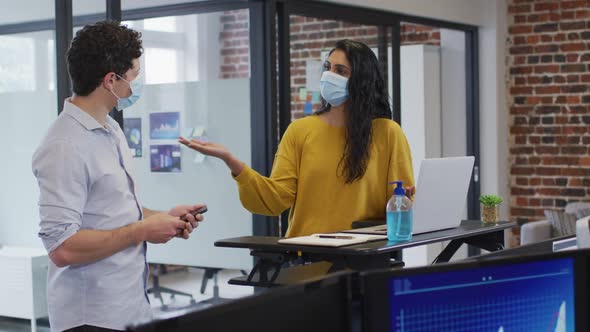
272	195
400	161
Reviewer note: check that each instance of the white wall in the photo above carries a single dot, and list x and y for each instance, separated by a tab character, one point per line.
461	11
493	104
420	101
421	121
453	87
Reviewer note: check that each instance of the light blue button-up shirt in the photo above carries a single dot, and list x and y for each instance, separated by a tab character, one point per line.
85	182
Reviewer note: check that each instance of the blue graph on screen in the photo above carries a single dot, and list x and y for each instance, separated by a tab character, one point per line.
534	296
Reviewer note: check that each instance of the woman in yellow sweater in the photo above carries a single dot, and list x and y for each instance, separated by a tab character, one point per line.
334	167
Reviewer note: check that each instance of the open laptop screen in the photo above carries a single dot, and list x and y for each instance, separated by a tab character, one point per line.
533	295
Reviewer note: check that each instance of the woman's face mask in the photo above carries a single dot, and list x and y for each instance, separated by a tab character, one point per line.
136	86
334	88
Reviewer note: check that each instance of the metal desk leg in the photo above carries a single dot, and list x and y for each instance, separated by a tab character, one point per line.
268	267
448	251
490	242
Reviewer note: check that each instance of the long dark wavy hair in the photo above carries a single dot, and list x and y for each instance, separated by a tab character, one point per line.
368	100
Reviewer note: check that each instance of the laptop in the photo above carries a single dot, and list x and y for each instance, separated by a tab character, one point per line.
440	196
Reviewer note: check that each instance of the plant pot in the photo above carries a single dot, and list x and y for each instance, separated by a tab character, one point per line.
490	213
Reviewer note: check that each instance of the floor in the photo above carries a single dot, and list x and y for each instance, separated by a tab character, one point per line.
184	280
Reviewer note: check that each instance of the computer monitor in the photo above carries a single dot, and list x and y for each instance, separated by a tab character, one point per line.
534	293
320	305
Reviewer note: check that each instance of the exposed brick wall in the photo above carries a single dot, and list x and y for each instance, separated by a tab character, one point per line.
309	37
549	103
419	34
235	44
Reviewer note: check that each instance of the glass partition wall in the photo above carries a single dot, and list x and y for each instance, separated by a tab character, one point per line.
196	71
27	91
28	97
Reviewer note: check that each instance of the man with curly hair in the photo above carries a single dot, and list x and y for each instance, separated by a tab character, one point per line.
92	223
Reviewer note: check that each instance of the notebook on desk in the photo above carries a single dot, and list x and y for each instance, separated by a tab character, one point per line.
440	200
332	239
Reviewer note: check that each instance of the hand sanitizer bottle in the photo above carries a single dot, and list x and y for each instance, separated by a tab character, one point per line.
399	215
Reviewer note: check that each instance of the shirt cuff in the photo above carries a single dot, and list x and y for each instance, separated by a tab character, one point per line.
57	225
51	242
246	176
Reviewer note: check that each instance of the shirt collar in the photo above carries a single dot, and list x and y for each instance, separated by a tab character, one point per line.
79	115
111	123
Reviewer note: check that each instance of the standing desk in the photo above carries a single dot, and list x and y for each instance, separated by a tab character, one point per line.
273	256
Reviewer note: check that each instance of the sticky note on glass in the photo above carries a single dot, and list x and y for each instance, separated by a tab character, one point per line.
315	97
193	132
302	94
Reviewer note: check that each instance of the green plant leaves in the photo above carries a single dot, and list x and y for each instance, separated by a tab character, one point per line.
490	199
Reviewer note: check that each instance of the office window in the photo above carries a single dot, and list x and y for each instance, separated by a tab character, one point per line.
17	64
164	24
155	72
171	48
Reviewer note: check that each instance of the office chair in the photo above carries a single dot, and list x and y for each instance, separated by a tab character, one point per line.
158	290
211	273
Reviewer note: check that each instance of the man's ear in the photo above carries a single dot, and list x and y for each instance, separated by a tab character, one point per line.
108	80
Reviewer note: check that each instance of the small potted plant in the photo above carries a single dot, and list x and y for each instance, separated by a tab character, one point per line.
490	208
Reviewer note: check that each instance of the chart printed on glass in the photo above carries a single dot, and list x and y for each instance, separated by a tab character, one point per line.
165	125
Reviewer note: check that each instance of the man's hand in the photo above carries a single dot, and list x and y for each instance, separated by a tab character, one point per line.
161	227
192	222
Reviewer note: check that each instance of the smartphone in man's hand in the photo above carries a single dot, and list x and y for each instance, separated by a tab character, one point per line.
200	210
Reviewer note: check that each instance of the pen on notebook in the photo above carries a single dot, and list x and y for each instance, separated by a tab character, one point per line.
340	237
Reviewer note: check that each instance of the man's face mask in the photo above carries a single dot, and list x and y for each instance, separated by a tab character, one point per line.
334	88
136	85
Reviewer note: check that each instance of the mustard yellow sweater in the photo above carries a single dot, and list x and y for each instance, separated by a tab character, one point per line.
305	177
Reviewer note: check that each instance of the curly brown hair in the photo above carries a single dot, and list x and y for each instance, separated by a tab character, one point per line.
98	49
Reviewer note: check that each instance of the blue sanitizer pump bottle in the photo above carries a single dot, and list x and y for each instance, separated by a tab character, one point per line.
399	215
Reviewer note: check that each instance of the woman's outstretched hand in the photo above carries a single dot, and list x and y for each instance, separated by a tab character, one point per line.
207	148
215	150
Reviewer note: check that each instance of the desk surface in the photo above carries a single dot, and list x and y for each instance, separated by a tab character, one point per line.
468	228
